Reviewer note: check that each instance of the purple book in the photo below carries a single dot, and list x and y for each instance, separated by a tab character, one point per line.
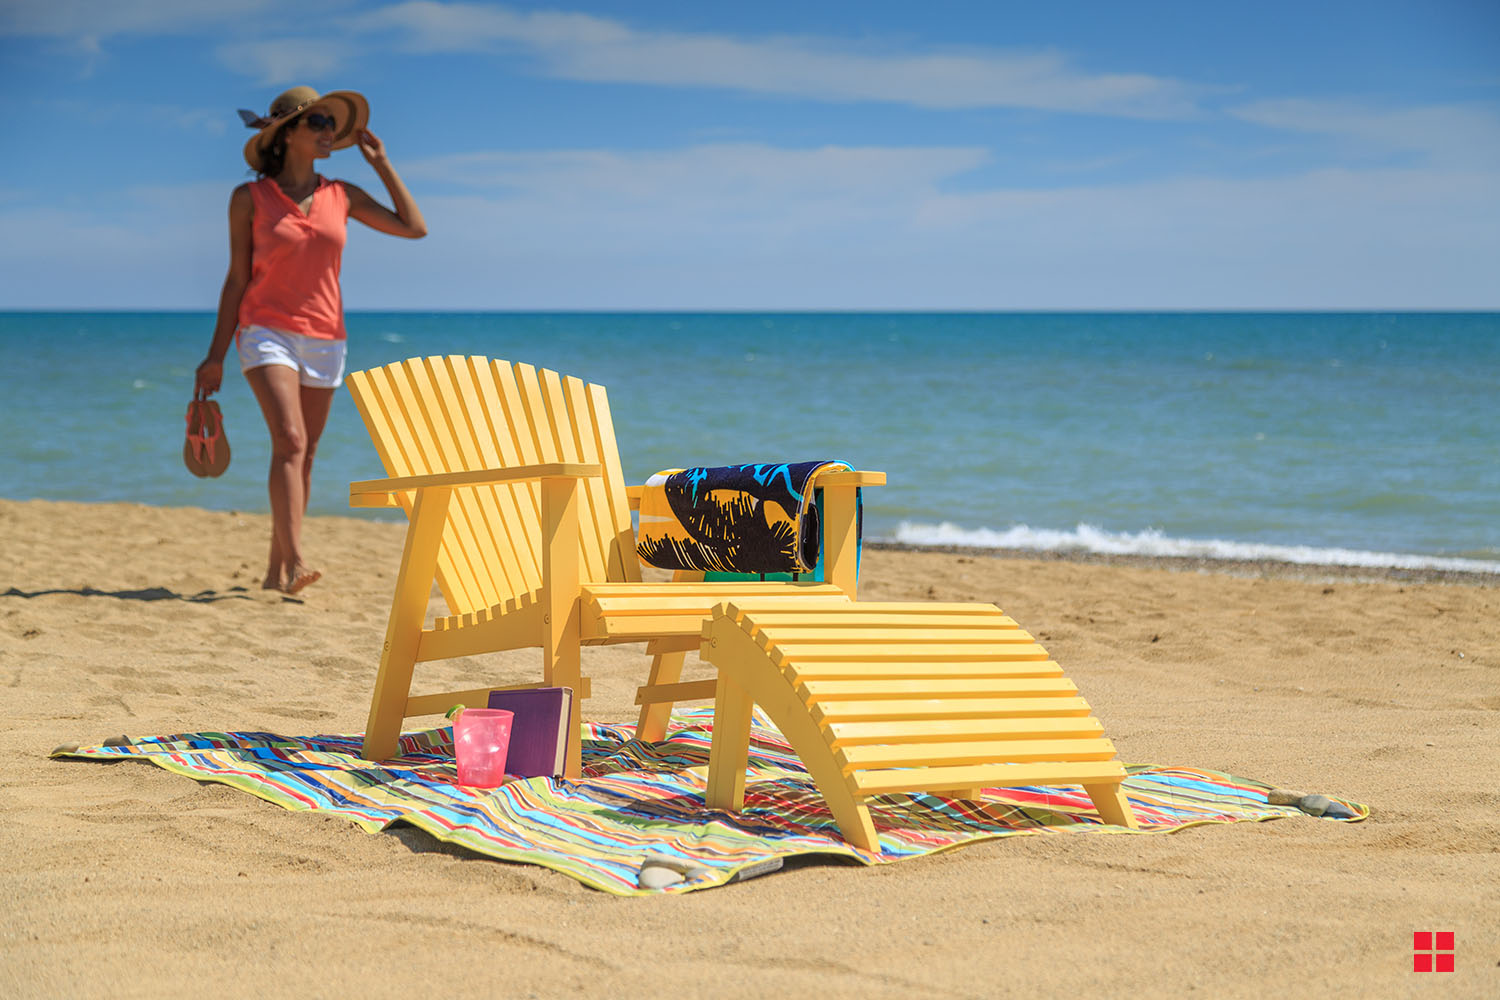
539	731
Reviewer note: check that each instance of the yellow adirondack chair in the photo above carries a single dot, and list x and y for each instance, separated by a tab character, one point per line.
517	507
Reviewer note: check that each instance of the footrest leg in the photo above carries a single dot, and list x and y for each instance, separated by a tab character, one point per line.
729	754
1110	801
853	818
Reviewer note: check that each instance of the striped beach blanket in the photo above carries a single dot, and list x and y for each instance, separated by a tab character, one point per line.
640	798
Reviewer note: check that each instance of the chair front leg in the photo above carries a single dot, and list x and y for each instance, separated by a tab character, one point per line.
403	630
562	665
841	537
666	668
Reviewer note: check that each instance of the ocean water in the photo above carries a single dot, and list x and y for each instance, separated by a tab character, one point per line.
1360	439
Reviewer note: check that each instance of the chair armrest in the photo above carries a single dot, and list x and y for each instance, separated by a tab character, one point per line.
855	478
633	496
373	500
478	477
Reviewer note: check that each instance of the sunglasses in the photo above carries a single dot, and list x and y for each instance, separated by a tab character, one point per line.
320	123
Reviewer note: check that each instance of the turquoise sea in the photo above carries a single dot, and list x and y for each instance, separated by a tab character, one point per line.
1361	438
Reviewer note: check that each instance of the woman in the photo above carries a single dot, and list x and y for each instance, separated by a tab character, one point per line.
281	301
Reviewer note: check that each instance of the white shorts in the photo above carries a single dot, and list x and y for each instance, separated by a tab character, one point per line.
318	362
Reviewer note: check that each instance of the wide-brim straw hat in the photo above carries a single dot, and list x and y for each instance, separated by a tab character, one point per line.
349	108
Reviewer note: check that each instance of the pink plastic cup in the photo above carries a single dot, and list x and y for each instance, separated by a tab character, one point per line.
481	742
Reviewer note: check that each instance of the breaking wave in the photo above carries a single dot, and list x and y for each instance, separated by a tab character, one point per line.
1151	542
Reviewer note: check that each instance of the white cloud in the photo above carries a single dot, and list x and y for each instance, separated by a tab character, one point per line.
1446	134
760	227
284	60
719	173
721	199
585	47
165	115
86	22
457	27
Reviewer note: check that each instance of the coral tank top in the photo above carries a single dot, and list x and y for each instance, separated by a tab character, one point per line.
294	261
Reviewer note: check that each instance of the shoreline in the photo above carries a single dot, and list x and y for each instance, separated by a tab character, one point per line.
1269	569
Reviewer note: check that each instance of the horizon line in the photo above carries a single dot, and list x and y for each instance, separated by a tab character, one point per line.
813	311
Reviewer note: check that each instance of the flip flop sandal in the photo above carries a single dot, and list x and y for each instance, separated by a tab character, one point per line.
206	450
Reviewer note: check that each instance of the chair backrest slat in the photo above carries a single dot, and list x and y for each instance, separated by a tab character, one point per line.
432	436
565	437
477	507
518	500
533	415
624	563
501	514
515	436
599	535
381	402
449	414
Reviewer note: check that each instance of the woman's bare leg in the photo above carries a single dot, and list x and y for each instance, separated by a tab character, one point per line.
316	404
280	396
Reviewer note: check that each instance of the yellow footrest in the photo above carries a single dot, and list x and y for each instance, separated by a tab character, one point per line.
880	698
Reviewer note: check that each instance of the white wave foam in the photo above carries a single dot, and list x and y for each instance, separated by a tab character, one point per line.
1151	542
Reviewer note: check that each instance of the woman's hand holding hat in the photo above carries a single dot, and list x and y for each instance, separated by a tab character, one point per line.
371	146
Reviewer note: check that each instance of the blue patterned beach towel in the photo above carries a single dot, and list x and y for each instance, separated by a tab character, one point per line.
743	519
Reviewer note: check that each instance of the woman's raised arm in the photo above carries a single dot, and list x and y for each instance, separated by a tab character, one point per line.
407	219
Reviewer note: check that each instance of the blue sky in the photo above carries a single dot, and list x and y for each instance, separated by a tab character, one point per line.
873	155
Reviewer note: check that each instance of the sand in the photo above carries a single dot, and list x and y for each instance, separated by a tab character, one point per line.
125	880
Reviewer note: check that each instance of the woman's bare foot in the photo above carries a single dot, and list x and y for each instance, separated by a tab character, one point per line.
301	577
275	569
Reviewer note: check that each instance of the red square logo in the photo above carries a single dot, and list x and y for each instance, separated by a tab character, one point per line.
1432	951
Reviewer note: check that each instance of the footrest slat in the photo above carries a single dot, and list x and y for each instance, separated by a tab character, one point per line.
926	652
958	708
986	752
823	691
856	611
884	635
791	621
848	734
833	670
939	779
